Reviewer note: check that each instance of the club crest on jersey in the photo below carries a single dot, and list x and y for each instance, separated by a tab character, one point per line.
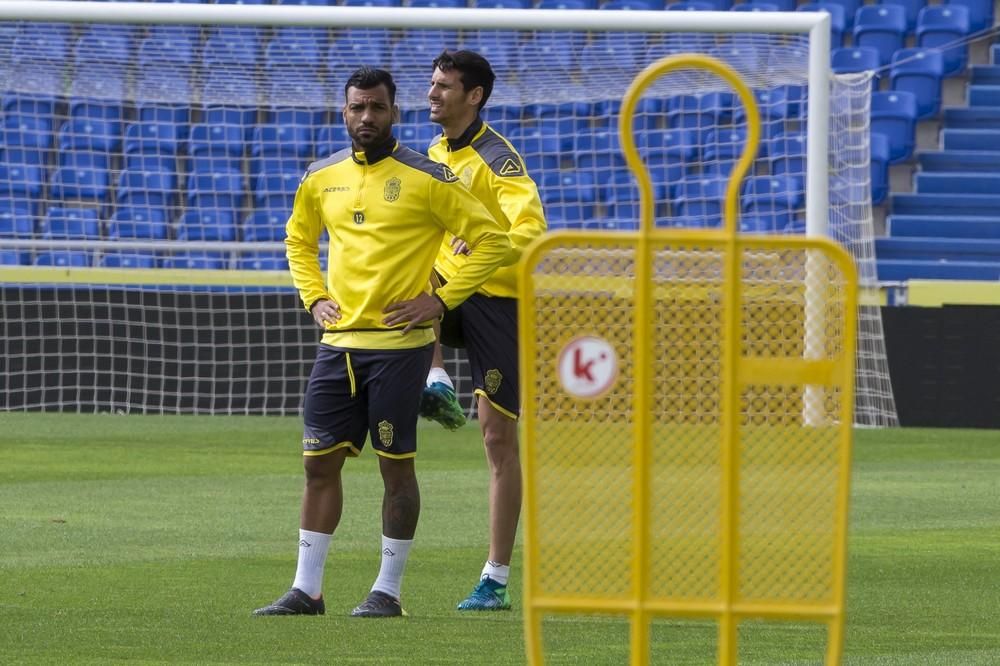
492	380
385	433
359	217
511	167
391	191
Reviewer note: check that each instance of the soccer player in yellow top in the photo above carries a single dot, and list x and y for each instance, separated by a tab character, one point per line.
386	209
486	323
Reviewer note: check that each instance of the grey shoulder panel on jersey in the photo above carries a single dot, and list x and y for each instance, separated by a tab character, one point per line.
498	155
415	160
338	156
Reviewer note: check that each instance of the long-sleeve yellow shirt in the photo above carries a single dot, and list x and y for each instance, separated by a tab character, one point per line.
494	172
386	213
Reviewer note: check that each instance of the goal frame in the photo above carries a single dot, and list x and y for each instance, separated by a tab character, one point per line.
815	24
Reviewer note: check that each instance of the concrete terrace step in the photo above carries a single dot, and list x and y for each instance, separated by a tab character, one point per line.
976	117
958	160
970	139
956	183
947	249
924	226
900	270
965	205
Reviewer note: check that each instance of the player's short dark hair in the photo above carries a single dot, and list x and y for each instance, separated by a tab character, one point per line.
473	69
366	78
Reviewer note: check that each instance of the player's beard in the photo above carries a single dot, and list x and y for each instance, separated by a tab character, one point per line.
375	139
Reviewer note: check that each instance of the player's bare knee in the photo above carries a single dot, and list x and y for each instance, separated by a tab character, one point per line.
323	470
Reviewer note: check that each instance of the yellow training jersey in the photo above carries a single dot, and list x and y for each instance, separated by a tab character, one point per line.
386	213
492	169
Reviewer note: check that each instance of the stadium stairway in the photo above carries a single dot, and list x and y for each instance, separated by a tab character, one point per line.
948	227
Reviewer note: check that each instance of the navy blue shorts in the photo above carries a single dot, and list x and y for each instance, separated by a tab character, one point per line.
486	327
352	394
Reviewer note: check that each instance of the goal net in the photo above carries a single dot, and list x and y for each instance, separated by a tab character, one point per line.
150	154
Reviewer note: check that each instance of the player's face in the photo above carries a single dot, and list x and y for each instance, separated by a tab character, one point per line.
369	115
450	102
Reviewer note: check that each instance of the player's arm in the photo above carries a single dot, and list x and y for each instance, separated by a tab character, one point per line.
519	200
464	216
302	233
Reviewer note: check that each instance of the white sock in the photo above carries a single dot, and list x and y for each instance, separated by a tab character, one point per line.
390	574
313	547
439	375
498	572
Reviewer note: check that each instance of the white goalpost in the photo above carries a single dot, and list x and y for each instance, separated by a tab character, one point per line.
150	152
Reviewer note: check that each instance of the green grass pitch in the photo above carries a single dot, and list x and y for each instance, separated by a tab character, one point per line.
150	539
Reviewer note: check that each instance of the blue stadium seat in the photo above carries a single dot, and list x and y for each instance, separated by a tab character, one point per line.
100	46
88	179
540	149
90	134
64	258
838	18
102	83
197	260
274	139
154	189
699	6
20	181
850	10
265	225
138	222
698	203
230	47
632	5
723	147
558	50
848	59
160	86
910	7
417	136
29	105
621	197
175	114
500	47
16	220
14	258
879	148
503	4
787	154
667	154
938	25
980	12
769	202
568	196
224	143
49	41
446	4
177	49
262	261
27	131
314	3
71	224
894	114
276	191
919	71
699	113
883	27
207	224
152	137
756	7
567	4
599	154
372	3
221	191
129	259
224	100
331	139
296	47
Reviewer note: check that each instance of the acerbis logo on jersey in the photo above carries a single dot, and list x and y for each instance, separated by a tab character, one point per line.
511	167
449	175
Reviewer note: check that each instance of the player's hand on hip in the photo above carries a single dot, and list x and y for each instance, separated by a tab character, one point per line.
326	313
459	246
413	312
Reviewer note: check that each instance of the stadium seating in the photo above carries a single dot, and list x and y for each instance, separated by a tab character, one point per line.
879	167
980	12
568	196
894	114
938	25
71	224
138	222
854	59
882	27
16	220
769	203
129	259
919	71
838	18
262	261
65	258
265	225
698	203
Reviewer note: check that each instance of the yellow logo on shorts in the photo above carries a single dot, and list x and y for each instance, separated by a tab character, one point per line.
385	433
493	379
